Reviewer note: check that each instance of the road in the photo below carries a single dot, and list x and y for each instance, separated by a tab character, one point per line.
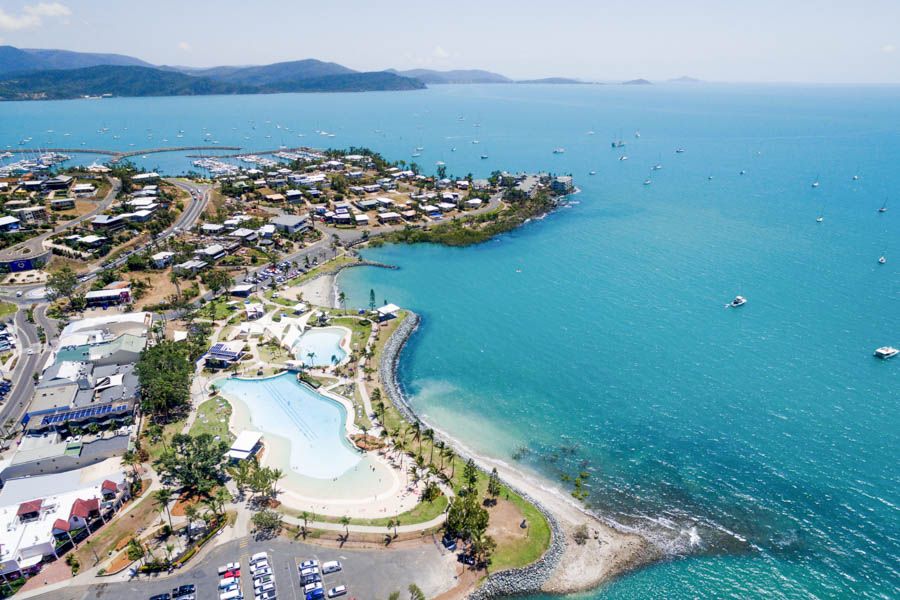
35	245
368	574
28	364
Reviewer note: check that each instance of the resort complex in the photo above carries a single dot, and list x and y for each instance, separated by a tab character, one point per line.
198	378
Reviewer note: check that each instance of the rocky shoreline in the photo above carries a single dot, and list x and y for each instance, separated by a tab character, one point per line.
621	552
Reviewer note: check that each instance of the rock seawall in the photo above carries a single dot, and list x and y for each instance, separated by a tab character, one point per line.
525	580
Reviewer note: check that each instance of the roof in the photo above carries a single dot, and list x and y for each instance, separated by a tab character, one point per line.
107	293
61	524
83	508
29	507
8	221
162	255
227	350
288	220
388	309
109	485
246	441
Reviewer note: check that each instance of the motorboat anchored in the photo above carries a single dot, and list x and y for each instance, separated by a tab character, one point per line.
738	301
886	352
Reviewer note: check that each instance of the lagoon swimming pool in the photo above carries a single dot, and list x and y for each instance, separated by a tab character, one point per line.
314	425
321	347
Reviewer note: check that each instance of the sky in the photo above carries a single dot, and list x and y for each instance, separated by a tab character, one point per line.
827	41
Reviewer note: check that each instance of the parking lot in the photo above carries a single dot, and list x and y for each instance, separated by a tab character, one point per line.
368	574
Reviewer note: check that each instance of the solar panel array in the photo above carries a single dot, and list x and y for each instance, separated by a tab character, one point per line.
83	413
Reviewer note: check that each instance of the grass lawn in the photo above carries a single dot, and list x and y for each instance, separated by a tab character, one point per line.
155	449
274	353
518	553
361	331
216	310
212	418
122	527
328	267
7	309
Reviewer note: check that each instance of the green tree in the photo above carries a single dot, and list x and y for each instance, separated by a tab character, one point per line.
345	521
371	299
470	476
162	497
216	280
194	461
192	513
493	486
267	521
62	283
164	371
466	517
415	593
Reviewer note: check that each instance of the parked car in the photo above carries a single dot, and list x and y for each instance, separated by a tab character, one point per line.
308	571
258	557
332	566
258	583
165	596
182	590
306	564
259	565
338	590
262	572
316	595
312	587
270	595
310	579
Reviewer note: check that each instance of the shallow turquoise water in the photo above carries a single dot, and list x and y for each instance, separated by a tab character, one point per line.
760	443
314	425
324	344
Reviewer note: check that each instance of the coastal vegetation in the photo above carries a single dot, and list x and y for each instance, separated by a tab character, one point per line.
164	372
476	229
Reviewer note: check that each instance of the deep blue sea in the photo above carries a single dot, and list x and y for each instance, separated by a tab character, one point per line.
758	446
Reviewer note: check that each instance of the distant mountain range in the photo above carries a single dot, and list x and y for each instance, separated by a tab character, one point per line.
35	74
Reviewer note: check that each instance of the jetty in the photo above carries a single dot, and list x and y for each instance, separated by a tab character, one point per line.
118	155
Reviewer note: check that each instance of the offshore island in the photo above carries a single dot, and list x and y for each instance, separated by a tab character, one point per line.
186	371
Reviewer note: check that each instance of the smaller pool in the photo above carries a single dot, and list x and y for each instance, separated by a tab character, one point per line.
321	347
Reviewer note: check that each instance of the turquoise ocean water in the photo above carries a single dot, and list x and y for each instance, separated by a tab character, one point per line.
758	446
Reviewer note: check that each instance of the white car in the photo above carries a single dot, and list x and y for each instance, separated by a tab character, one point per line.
263	572
338	590
258	557
308	564
259	565
269	587
312	586
308	571
332	566
259	583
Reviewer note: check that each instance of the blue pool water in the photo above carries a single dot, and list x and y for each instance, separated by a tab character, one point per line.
324	344
314	425
596	339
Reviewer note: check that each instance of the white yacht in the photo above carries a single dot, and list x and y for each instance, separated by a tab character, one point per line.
856	178
484	157
647	182
886	352
592	173
883	208
882	260
819	219
738	301
559	151
679	150
815	184
623	157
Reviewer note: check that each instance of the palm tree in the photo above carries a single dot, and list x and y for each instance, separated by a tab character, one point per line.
442	448
304	516
345	521
192	515
311	356
417	434
341	298
275	475
450	454
222	497
379	408
132	459
429	435
162	497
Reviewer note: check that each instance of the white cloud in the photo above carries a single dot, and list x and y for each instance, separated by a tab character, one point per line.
184	46
32	16
888	48
439	52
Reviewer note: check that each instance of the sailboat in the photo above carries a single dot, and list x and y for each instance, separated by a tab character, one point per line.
882	260
883	208
815	183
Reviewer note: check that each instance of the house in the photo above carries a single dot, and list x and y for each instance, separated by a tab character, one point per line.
139	216
60	182
366	205
108	297
211	228
274	197
294	196
224	354
92	241
83	190
244	234
161	260
62	203
562	184
31	214
462	184
473	203
431	210
245	446
108	223
267	230
445	207
210	253
145	177
8	223
190	266
361	220
388	217
290	223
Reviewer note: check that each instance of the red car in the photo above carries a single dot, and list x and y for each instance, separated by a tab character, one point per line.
232	573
